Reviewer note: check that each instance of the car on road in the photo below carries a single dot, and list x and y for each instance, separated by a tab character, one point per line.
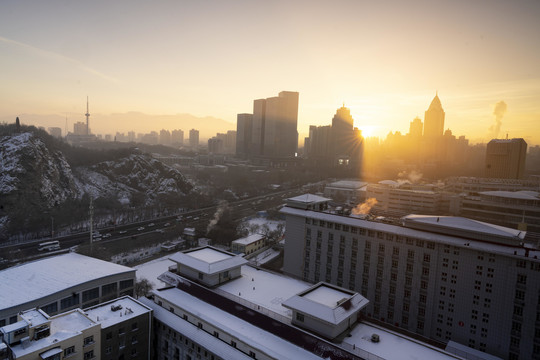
140	228
122	232
107	235
166	224
161	231
151	224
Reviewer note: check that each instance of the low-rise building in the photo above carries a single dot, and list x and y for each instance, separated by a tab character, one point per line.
247	245
61	283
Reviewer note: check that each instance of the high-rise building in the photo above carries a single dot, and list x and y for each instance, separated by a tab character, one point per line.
434	119
505	158
177	137
79	128
215	145
274	126
442	277
165	137
416	127
194	138
244	125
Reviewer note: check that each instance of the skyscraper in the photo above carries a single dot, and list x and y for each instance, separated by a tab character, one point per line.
416	127
194	138
244	125
434	119
274	131
505	158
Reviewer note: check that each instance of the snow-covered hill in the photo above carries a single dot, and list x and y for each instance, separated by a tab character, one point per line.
36	180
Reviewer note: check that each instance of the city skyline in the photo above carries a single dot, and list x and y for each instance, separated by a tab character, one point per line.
385	62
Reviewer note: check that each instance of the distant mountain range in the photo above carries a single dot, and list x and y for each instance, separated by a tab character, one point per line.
208	126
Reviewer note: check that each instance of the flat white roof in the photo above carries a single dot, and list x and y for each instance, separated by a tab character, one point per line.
392	345
264	288
347	184
250	239
208	260
308	198
31	281
326	295
419	234
462	223
104	314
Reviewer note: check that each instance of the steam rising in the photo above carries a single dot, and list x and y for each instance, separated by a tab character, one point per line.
414	176
499	111
365	207
217	215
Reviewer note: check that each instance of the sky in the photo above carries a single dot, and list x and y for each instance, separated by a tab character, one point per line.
385	60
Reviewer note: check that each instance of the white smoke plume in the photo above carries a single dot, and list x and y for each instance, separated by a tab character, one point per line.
365	207
414	177
217	215
499	111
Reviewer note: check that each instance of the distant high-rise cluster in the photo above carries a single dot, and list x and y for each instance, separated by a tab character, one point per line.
223	143
338	144
271	131
193	138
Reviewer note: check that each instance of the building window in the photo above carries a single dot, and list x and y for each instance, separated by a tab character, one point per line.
134	326
233	343
108	350
89	355
90	294
68	351
121	331
89	340
300	317
69	301
201	275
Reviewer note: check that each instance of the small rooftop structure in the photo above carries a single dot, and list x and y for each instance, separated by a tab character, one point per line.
208	265
116	311
308	202
326	309
467	228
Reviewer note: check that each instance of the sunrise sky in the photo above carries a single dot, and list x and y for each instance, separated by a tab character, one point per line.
384	59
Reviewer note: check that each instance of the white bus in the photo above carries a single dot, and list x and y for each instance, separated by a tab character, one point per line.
49	246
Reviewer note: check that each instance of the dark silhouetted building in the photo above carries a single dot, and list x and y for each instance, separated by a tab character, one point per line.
505	158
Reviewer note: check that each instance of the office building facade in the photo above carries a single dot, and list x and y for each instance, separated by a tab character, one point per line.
479	287
505	158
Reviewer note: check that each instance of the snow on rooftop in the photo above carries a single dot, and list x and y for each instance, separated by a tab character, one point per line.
270	344
34	280
392	345
308	198
250	239
213	344
348	184
408	232
208	259
105	314
63	326
152	269
326	295
264	288
462	223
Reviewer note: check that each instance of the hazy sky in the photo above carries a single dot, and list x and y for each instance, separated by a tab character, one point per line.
384	59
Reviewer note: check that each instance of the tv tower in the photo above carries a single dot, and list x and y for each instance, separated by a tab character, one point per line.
87	116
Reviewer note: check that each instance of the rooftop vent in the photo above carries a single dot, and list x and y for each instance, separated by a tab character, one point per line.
116	307
375	338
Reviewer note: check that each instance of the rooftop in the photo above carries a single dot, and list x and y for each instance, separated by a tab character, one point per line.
409	232
31	281
248	239
327	302
521	195
347	184
126	308
308	198
208	260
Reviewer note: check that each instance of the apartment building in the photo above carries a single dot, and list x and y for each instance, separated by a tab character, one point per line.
445	278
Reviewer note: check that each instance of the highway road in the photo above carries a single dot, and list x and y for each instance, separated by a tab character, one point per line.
168	227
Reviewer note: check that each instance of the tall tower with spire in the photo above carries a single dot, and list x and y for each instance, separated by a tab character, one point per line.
434	119
87	118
